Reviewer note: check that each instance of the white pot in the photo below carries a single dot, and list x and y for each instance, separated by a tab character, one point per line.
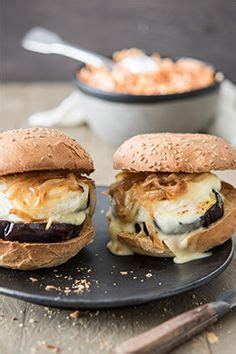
116	117
114	122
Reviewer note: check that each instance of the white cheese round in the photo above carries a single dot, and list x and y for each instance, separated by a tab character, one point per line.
189	207
64	208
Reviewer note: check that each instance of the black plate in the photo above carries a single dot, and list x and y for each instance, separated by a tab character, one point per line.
115	281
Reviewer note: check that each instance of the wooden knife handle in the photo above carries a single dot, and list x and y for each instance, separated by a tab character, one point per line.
172	333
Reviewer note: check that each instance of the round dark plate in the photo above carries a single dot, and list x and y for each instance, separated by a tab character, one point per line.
114	281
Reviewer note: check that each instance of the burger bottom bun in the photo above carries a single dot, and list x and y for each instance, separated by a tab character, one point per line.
16	255
199	241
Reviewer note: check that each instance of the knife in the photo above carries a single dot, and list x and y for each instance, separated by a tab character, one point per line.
179	329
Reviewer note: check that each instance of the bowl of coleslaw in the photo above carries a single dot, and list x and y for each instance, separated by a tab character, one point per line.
178	95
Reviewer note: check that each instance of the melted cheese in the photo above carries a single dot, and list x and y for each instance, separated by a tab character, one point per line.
184	209
115	228
188	207
177	244
72	218
58	207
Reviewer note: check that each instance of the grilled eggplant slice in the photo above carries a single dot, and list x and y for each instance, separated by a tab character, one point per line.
213	214
37	233
141	226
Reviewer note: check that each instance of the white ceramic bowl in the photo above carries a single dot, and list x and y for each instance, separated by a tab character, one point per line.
116	117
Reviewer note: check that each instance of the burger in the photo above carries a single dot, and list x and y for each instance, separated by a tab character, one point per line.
46	201
166	202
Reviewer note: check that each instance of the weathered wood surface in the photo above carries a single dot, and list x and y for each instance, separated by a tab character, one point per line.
27	328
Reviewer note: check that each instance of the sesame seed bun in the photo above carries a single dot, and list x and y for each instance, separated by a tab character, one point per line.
25	256
198	241
168	152
36	149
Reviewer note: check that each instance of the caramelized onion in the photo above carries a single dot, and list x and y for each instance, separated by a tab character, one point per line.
32	190
145	188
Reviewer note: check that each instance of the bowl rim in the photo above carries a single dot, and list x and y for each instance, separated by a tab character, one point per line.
128	98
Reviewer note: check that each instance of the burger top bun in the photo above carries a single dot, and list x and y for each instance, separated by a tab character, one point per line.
36	149
168	152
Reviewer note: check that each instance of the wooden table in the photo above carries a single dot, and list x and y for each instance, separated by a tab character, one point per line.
27	328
